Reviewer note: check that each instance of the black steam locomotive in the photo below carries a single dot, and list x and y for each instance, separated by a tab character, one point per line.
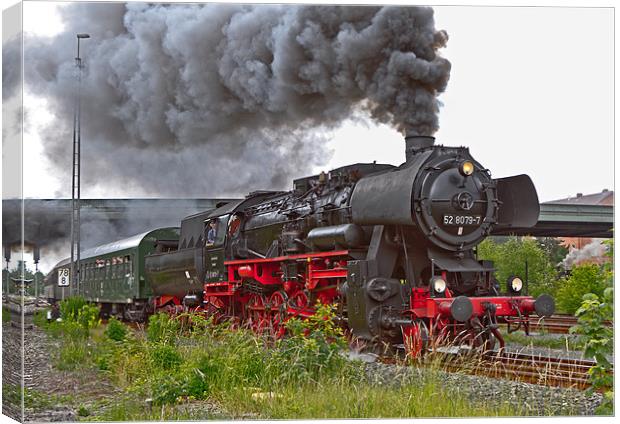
393	247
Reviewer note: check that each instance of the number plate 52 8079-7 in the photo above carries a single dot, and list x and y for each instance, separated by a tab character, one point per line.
461	220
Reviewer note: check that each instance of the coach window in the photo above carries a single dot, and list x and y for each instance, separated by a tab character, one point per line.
128	264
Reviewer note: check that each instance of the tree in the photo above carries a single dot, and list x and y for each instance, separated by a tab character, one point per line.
553	248
586	278
16	273
510	257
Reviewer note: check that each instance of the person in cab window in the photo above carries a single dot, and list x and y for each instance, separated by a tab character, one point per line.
212	233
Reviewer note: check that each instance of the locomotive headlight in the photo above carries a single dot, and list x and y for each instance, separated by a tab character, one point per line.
439	285
466	168
515	284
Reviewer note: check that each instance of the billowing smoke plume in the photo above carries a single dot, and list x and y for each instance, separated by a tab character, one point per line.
218	100
592	251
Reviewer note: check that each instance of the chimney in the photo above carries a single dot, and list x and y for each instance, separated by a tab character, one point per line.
415	143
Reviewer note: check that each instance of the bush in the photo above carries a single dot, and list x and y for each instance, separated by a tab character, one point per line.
165	357
166	389
162	329
88	317
313	349
83	411
116	330
587	278
509	259
592	314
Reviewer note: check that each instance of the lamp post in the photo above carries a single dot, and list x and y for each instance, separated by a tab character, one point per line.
75	179
7	258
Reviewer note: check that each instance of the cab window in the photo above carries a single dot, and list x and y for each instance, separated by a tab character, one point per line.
215	231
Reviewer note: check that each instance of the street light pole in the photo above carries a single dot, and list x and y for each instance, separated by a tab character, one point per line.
75	178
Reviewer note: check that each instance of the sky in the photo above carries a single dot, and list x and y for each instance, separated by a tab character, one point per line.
530	91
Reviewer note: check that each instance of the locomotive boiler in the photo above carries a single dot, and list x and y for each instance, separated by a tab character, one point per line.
394	247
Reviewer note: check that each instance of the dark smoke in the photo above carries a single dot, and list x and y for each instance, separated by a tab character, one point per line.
48	222
11	74
218	100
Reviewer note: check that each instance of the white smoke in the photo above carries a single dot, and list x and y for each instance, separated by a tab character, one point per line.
592	250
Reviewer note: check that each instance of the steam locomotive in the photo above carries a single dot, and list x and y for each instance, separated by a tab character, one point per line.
394	248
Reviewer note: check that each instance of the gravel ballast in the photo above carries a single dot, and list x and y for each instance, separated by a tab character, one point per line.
530	399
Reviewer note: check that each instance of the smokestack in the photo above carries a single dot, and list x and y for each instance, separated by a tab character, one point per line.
415	143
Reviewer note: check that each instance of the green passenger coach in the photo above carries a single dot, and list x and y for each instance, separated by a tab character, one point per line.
112	275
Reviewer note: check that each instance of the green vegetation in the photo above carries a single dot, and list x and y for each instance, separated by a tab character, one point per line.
6	314
188	368
116	330
509	259
592	314
22	270
78	318
553	248
162	329
564	342
599	342
510	255
587	278
33	399
40	318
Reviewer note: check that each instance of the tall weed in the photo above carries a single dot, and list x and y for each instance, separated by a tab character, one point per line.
70	307
162	329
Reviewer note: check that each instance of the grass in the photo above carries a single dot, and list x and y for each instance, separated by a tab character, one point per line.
564	341
206	371
6	314
33	399
341	399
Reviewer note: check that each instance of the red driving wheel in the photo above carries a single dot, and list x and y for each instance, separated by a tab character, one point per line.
257	316
277	304
299	300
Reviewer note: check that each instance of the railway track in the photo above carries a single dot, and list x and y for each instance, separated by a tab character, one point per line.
535	369
556	324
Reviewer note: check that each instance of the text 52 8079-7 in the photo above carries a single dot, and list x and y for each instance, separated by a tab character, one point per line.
461	220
